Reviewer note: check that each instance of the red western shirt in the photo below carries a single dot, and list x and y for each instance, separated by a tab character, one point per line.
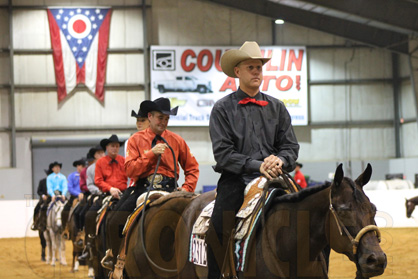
110	173
141	161
83	180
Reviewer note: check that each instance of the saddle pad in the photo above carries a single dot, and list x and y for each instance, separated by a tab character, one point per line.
153	195
101	214
253	193
201	225
248	221
132	217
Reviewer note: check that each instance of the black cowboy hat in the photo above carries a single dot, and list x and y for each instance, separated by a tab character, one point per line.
93	150
81	161
113	138
49	170
161	104
53	164
140	113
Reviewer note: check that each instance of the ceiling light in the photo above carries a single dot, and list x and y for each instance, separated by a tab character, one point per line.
279	21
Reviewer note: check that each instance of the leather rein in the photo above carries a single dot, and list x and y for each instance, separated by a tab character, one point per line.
355	241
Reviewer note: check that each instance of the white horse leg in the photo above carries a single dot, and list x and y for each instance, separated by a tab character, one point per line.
91	272
63	260
48	246
53	247
76	265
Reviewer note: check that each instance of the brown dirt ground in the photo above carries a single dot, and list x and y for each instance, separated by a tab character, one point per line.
21	258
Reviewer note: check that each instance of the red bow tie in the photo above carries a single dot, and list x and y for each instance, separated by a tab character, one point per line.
254	101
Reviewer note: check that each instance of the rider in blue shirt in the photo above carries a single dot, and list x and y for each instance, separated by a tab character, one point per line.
75	194
74	178
56	181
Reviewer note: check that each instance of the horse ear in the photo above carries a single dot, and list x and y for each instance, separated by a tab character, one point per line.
339	175
364	178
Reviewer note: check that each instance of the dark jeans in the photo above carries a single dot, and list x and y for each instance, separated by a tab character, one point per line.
117	217
80	212
229	199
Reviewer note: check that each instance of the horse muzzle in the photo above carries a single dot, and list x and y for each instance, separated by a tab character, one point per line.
372	264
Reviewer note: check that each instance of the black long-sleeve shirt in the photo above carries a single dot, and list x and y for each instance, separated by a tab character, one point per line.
244	135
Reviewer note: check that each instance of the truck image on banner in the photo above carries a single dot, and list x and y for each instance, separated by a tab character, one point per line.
192	78
184	84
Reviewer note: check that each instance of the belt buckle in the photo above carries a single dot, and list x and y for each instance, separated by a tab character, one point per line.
158	178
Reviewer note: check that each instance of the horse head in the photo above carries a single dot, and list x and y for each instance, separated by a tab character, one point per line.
59	206
410	206
353	231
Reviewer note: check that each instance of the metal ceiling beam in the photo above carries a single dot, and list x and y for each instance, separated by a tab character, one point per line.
413	65
398	13
373	36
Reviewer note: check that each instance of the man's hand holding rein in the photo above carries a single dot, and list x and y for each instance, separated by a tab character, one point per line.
159	148
115	192
271	167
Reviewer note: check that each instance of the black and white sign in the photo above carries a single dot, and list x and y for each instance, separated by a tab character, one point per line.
199	256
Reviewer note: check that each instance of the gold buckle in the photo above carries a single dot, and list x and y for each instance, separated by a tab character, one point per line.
157	180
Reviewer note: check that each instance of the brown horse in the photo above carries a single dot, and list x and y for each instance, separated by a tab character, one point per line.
298	227
159	231
410	206
73	233
42	226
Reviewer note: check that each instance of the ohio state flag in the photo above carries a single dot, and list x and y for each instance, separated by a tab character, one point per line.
79	39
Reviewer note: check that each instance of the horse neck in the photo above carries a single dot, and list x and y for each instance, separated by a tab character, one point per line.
414	200
307	219
55	216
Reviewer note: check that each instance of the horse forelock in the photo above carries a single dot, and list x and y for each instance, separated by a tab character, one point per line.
357	195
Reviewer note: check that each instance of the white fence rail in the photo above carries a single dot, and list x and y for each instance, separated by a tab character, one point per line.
16	216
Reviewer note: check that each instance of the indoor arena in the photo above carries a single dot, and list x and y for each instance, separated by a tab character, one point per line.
206	139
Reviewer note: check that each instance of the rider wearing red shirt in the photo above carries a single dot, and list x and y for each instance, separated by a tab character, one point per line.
110	173
299	177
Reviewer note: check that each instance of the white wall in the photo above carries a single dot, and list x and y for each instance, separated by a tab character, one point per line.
18	220
391	208
390	204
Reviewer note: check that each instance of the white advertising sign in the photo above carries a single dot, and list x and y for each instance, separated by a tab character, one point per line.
192	78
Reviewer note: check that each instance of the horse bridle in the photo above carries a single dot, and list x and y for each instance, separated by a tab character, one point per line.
356	240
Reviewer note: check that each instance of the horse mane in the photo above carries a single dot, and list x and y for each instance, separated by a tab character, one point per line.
299	196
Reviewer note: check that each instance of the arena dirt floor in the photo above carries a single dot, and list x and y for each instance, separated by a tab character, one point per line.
20	258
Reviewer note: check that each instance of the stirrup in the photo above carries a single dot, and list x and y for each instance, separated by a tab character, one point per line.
107	264
79	240
66	234
117	273
90	250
